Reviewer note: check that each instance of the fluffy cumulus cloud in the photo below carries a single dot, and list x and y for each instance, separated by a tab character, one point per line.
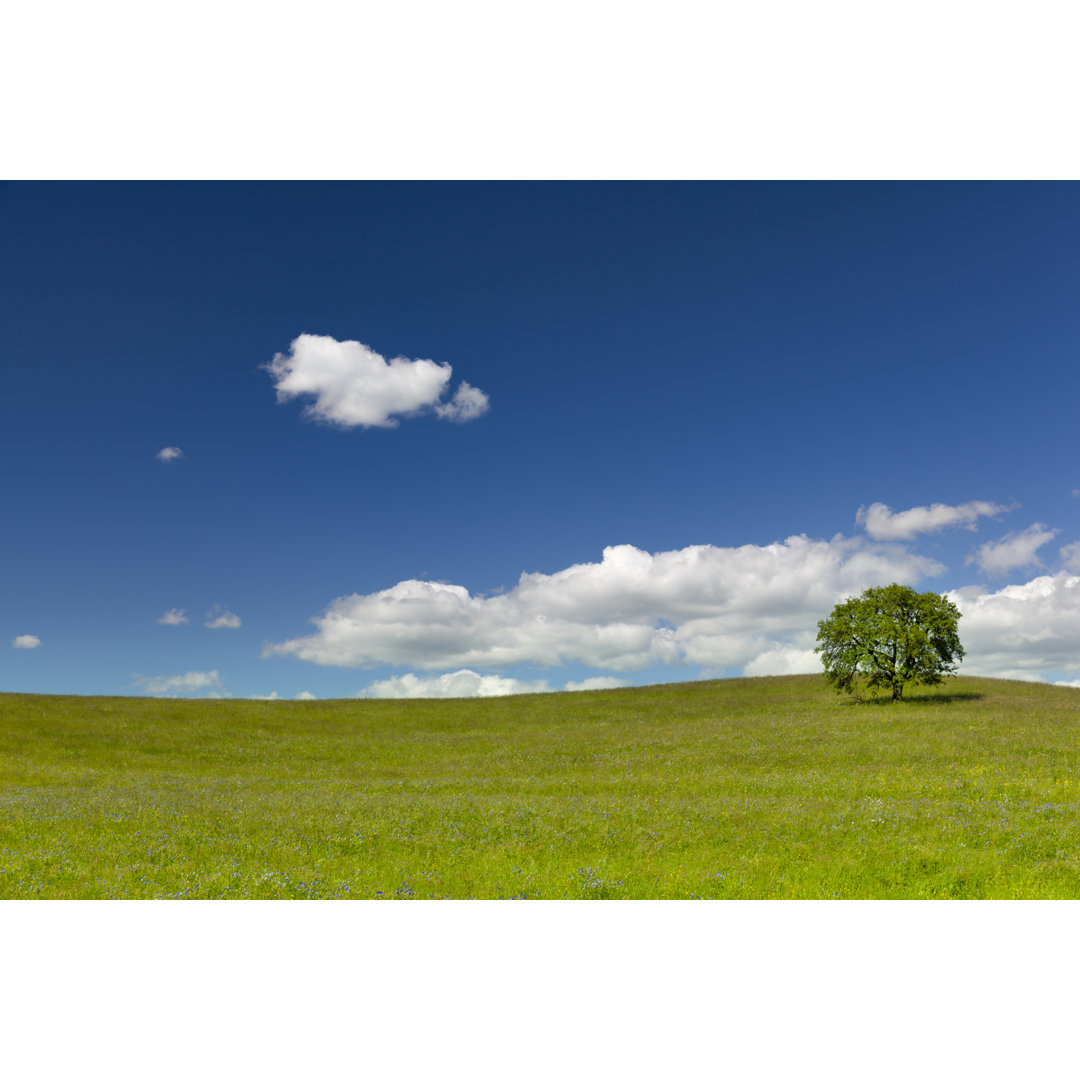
353	386
597	682
467	404
468	683
219	618
26	641
181	685
1021	631
1014	551
169	453
881	523
455	684
718	608
174	617
798	658
1070	556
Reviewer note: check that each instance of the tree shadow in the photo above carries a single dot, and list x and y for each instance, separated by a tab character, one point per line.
920	699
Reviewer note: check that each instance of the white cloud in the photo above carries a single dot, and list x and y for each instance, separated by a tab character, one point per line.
275	696
1017	549
218	618
1020	631
797	659
174	617
882	524
26	641
306	695
178	685
354	386
1070	556
467	404
467	683
717	607
169	453
597	682
1075	683
453	685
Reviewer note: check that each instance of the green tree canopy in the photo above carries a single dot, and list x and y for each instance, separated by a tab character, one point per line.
890	636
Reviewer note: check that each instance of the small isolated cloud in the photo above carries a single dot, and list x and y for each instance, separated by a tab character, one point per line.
180	685
353	386
467	404
219	618
882	524
1016	550
597	682
306	695
170	453
452	685
26	641
275	696
1070	556
174	617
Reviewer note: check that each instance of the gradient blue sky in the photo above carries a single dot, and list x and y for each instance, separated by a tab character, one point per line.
697	371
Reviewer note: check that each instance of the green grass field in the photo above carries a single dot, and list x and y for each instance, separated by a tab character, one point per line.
741	788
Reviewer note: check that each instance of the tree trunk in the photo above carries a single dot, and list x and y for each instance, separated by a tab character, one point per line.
897	691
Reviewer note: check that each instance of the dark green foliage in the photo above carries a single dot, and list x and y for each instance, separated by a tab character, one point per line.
889	637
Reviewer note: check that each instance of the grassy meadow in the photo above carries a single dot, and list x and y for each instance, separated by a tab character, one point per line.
741	788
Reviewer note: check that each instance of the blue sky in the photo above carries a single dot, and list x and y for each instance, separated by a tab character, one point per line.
682	395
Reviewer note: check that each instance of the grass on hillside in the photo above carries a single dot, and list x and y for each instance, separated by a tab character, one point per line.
741	788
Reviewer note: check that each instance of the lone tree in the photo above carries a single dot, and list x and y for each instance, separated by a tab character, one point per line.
891	636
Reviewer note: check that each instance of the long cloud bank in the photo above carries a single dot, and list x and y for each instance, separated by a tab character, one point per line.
466	683
751	607
181	685
1021	631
